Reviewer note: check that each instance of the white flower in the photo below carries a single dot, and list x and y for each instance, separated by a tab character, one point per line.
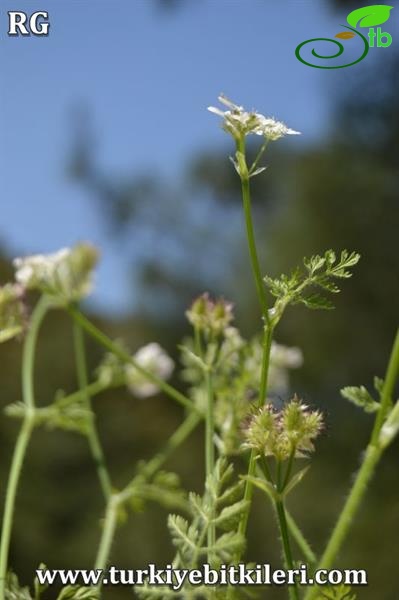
286	357
274	130
239	122
154	359
282	359
30	270
66	274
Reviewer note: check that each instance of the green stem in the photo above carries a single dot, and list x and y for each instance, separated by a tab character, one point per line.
210	452
117	500
300	540
371	458
198	342
12	487
28	357
289	468
278	476
293	528
268	331
176	439
248	492
105	341
259	156
352	504
388	389
92	434
90	390
246	198
289	563
107	538
28	361
264	467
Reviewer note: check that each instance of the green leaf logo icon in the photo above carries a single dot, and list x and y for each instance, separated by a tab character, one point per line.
369	16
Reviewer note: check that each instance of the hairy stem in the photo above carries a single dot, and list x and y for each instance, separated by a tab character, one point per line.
371	458
176	440
210	452
289	563
248	492
28	357
116	500
390	381
268	331
107	343
28	361
92	435
289	468
92	389
246	199
12	487
107	538
300	540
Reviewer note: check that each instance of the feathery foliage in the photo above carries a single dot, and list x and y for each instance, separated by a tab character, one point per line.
319	273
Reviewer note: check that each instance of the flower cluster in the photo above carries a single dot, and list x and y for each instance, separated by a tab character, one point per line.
12	311
239	122
151	358
65	275
285	433
211	317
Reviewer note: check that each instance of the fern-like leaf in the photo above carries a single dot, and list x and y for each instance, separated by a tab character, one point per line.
222	506
320	274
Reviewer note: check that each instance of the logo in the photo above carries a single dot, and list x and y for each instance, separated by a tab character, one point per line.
19	23
370	17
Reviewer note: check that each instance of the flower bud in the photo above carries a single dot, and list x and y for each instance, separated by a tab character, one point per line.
211	317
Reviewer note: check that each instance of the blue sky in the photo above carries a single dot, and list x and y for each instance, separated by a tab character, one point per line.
147	76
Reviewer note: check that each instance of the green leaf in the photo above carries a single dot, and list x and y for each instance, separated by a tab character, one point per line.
183	536
315	302
227	544
361	397
193	358
369	16
320	272
231	515
231	494
314	263
217	506
14	591
164	488
297	478
340	592
75	592
390	429
37	586
263	485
